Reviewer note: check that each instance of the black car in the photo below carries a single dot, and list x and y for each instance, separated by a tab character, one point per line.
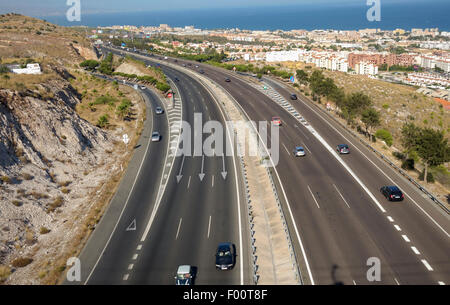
225	256
293	96
202	72
227	80
392	193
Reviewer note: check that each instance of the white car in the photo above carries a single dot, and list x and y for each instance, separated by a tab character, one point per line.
299	151
143	87
156	137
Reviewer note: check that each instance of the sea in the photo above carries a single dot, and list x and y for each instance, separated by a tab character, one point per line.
403	15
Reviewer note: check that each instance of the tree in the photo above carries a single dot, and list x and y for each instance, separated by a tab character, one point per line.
302	76
355	104
410	137
371	118
432	148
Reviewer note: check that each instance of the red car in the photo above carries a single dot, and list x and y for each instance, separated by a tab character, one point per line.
276	121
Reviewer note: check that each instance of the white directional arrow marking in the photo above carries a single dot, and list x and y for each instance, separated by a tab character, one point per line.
224	173
202	174
181	170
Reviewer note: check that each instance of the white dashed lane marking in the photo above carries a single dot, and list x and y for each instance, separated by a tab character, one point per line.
427	265
415	250
406	238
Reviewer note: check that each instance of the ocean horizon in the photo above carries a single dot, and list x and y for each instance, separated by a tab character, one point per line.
308	17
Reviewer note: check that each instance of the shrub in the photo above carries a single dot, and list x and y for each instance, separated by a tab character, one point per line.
17	203
162	87
44	230
90	64
408	164
5	272
385	135
103	121
398	155
22	262
5	179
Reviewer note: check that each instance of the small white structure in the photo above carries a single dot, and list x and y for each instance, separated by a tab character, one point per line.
30	69
366	68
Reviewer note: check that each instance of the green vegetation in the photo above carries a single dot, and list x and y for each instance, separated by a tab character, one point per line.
106	65
89	64
370	118
123	109
385	135
22	262
103	121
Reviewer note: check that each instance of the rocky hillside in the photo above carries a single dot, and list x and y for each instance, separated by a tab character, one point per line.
57	169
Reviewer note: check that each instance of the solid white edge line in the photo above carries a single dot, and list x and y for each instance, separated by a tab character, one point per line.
237	187
284	195
128	198
342	162
163	189
390	179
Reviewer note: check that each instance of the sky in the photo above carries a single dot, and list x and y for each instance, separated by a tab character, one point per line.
42	8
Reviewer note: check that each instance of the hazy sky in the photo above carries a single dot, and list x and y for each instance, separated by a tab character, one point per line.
59	7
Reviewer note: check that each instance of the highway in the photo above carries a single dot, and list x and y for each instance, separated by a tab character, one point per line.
341	217
198	209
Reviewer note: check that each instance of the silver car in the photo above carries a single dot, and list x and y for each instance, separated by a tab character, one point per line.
299	151
156	137
159	110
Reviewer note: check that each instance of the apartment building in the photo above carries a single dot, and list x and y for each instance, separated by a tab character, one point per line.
381	58
366	68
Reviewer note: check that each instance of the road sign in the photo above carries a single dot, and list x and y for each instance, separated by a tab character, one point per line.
125	139
292	79
265	87
169	94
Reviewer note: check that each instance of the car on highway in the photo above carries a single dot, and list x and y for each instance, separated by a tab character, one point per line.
143	87
225	256
343	149
156	137
293	96
159	110
196	66
276	121
227	80
202	72
176	79
185	275
184	65
299	151
392	193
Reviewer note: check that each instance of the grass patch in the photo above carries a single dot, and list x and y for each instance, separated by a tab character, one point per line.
22	262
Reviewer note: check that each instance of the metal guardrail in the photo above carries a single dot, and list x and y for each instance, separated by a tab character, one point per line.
384	158
274	189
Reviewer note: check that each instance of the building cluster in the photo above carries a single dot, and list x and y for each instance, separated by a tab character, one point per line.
29	69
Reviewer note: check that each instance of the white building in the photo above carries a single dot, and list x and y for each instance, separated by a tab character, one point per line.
30	69
278	56
366	68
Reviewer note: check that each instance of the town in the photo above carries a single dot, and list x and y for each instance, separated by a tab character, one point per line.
418	57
